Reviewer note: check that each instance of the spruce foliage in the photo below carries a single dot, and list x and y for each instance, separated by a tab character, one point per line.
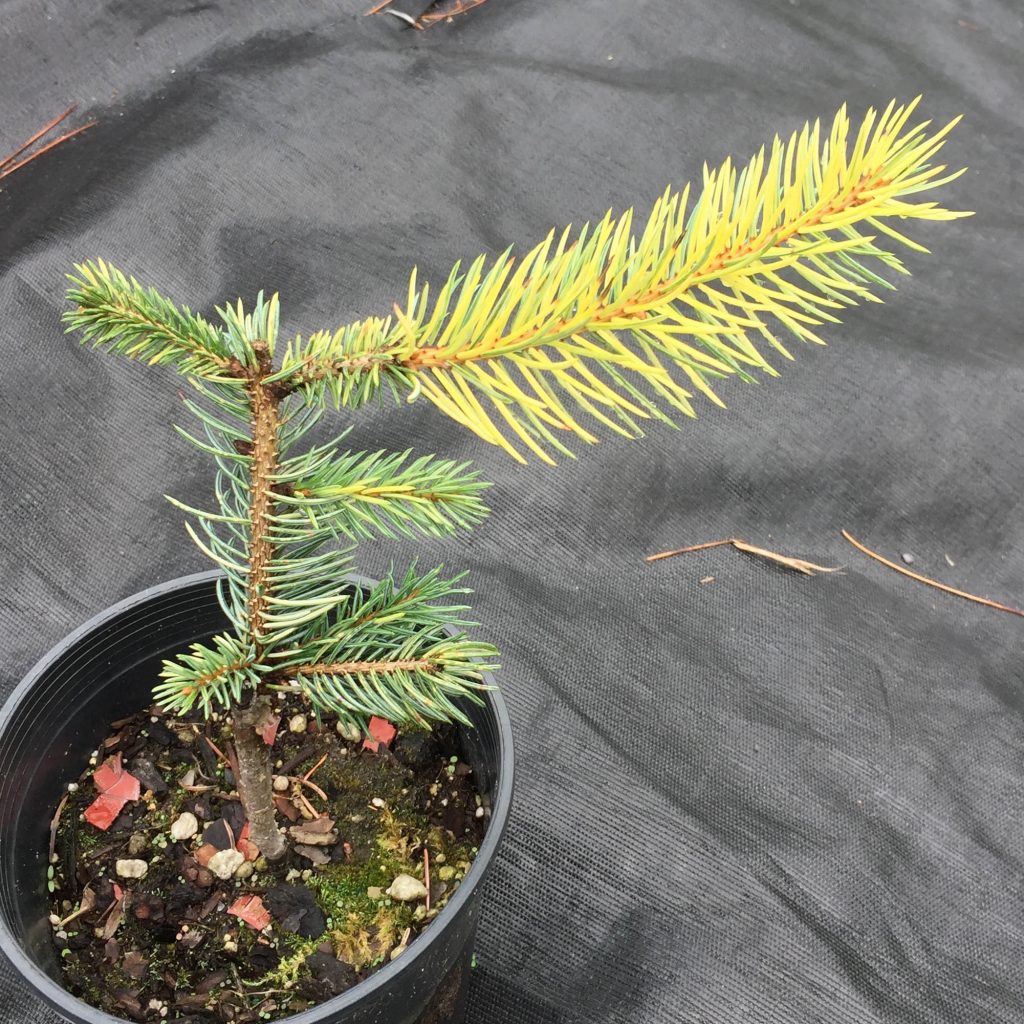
602	329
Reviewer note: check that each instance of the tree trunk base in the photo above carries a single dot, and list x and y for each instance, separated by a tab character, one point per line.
255	779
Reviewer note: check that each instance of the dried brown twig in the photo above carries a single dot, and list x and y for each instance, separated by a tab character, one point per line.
9	164
930	582
439	10
796	564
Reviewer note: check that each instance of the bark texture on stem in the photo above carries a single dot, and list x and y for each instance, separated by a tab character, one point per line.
255	778
264	403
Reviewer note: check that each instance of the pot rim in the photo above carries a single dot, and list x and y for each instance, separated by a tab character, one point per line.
57	997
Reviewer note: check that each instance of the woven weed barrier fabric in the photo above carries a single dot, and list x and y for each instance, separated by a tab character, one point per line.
763	798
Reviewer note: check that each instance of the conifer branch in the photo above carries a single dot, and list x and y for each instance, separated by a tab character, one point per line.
361	495
617	327
116	312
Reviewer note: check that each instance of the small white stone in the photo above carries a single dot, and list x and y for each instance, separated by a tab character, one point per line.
348	731
224	863
131	868
281	783
407	889
293	873
185	827
230	947
54	920
479	813
378	803
72	787
297	723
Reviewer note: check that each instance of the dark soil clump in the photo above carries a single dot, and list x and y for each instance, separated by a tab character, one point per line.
152	924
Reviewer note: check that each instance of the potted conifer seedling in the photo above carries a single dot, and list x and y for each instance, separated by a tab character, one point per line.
254	841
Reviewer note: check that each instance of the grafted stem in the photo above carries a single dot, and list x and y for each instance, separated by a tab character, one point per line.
255	778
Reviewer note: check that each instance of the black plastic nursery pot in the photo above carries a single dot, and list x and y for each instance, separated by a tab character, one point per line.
104	671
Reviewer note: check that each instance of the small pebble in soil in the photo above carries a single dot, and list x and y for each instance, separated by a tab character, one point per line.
478	813
244	870
138	843
224	863
185	827
378	803
297	723
131	868
72	787
907	557
281	783
407	889
349	731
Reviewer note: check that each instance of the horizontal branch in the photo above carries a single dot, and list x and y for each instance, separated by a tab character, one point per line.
627	326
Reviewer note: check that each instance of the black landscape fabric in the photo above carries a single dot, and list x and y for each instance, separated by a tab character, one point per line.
743	795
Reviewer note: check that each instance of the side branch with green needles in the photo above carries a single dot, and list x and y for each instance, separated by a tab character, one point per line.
602	329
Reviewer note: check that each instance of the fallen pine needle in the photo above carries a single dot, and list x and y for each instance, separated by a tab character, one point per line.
796	564
55	824
312	771
220	753
930	582
314	787
10	163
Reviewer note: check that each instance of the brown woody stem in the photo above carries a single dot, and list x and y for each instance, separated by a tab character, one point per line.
265	424
255	777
